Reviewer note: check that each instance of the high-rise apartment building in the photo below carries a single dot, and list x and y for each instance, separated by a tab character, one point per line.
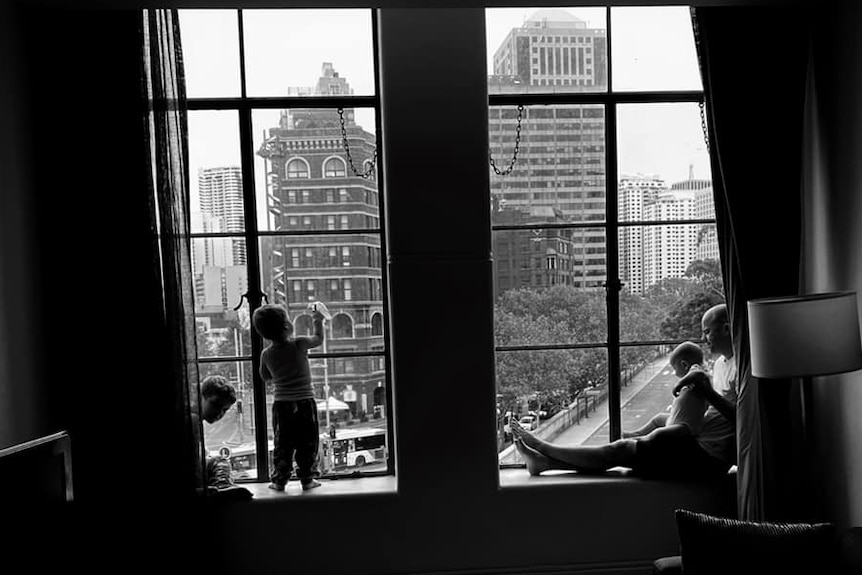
562	152
636	194
649	254
220	191
312	187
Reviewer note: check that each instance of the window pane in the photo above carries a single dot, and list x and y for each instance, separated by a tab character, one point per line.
647	381
546	50
296	270
308	52
304	178
653	49
356	409
548	286
562	394
215	173
671	275
560	170
220	279
210	53
663	163
236	429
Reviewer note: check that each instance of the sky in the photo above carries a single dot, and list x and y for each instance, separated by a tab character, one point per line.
653	50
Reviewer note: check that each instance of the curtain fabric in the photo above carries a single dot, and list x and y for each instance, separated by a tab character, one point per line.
167	144
753	65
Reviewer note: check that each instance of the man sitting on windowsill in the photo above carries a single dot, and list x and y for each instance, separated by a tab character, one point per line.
711	453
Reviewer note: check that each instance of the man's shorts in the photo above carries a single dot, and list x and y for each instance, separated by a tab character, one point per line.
677	456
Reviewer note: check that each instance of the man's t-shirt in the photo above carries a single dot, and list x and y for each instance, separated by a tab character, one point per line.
718	435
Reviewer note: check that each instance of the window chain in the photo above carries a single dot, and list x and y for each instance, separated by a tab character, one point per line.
368	172
702	106
508	170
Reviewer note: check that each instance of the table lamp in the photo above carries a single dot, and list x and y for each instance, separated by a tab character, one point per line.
804	336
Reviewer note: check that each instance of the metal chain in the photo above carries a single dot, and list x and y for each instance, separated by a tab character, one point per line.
367	173
508	170
702	106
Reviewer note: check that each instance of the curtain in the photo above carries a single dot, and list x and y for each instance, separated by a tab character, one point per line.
167	144
753	64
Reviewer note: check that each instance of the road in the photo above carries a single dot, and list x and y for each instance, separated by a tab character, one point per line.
654	397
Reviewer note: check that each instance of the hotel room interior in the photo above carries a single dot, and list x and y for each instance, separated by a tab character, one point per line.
79	300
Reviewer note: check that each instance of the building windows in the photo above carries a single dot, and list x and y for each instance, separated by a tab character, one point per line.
553	246
342	326
334	168
293	152
297	168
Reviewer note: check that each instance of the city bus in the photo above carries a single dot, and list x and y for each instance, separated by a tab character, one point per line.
351	448
354	447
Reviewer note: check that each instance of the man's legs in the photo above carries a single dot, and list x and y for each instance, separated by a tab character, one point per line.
585	458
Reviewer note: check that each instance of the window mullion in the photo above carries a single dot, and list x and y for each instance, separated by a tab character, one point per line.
613	283
253	295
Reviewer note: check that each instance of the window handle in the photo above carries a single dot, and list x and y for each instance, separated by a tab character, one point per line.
245	296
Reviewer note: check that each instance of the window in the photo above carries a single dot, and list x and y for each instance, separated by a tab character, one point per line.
334	168
255	146
342	326
345	256
648	226
297	168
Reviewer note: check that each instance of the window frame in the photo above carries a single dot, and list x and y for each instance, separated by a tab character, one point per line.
609	100
244	106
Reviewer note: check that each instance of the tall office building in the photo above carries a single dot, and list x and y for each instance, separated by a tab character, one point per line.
562	151
311	186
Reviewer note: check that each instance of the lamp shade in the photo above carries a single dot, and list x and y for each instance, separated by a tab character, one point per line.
808	335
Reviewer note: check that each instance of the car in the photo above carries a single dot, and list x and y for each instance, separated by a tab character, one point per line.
529	422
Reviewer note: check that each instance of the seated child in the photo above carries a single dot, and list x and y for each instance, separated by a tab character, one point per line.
217	397
688	406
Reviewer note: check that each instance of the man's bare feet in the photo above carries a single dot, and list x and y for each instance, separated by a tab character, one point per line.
536	462
525	436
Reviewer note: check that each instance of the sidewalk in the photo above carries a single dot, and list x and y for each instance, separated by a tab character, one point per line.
578	433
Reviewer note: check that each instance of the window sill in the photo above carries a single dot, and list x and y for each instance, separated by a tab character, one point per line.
520	478
382	484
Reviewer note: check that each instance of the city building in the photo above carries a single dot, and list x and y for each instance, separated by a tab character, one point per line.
650	253
313	185
561	147
536	257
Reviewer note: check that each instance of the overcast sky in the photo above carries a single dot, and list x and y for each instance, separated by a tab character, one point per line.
653	50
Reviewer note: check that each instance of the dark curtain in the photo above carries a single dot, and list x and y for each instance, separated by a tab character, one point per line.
753	64
167	141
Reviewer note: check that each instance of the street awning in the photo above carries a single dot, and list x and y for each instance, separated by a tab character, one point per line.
332	403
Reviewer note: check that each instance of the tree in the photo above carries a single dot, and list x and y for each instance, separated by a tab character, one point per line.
705	289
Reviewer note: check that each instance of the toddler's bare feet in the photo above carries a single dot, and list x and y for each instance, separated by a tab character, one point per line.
310	484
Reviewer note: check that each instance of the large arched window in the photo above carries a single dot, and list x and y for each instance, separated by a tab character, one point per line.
303	325
334	167
342	326
297	168
377	324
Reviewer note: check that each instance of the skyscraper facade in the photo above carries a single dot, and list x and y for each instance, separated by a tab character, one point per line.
562	152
